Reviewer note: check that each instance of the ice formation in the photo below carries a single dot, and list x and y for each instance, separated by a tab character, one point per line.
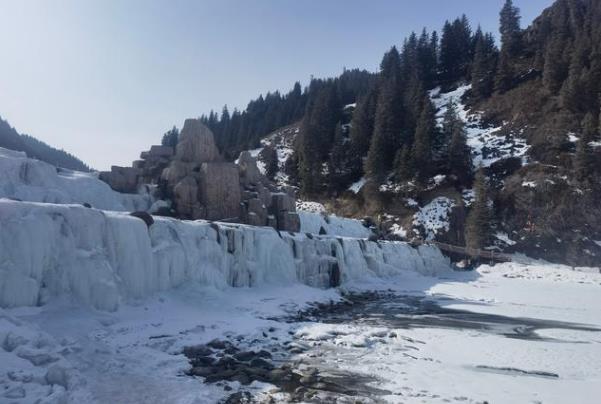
34	180
104	258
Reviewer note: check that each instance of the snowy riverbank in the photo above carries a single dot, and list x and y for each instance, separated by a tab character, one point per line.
63	350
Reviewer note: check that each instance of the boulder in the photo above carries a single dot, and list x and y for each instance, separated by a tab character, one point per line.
121	179
282	202
186	197
160	151
177	170
220	190
145	216
288	221
196	143
249	172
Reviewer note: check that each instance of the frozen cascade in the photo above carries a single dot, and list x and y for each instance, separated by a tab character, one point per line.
33	180
106	258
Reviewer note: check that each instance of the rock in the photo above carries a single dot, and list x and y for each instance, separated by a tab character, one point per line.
185	195
217	344
121	179
282	202
249	172
15	392
145	216
220	190
244	356
57	375
261	363
196	143
86	205
288	221
160	151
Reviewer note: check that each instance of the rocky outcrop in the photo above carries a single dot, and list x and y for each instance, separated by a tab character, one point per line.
202	185
196	144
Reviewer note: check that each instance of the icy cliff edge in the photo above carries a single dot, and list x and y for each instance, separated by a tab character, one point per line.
104	258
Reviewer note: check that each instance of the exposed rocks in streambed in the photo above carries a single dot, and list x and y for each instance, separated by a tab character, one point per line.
222	362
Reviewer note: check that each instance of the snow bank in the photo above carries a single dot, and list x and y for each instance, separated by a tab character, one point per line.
332	225
104	258
36	181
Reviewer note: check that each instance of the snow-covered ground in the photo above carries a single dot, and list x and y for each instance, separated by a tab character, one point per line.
65	351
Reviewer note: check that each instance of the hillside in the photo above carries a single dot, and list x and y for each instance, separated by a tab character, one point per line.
11	139
405	146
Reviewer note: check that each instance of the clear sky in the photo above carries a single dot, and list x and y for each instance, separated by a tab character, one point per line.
103	79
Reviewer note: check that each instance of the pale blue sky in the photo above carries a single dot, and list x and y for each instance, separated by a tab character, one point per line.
104	79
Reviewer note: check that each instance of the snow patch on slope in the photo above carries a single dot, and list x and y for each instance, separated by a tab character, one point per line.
487	143
434	217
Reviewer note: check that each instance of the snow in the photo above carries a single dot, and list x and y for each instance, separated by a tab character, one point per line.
333	225
487	143
62	351
529	184
309	206
357	185
33	180
349	106
504	238
572	137
398	230
434	217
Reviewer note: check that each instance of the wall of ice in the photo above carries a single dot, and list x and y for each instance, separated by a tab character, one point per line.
37	181
104	258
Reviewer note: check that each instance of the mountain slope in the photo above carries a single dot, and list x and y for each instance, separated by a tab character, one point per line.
11	139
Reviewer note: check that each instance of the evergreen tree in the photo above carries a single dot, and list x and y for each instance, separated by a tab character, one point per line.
170	138
478	222
337	163
584	162
511	42
390	67
387	129
403	164
555	68
504	77
442	138
269	156
455	50
362	124
422	147
460	160
483	68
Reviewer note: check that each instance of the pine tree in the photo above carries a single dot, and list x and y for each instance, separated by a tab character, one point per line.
170	138
362	124
483	67
510	29
390	67
403	164
478	222
337	163
387	128
269	156
421	153
504	76
443	137
455	50
585	166
460	160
